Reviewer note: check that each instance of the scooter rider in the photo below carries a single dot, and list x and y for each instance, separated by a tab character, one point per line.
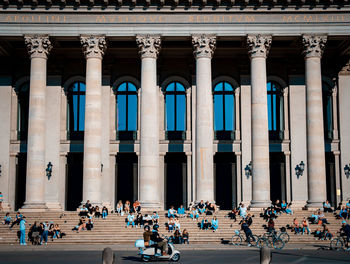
147	235
160	243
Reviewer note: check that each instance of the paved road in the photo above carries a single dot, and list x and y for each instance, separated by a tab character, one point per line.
202	257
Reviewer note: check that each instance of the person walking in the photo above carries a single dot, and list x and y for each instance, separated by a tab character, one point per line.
248	232
22	229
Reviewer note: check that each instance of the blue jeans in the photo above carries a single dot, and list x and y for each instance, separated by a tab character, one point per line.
214	227
104	215
23	237
128	223
307	229
201	210
44	236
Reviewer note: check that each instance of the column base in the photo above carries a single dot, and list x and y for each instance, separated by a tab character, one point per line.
33	207
6	207
298	205
151	206
108	205
54	206
257	205
313	205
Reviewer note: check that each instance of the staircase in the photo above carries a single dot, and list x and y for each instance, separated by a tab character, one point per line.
112	230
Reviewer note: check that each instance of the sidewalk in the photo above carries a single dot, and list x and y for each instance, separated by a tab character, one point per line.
87	247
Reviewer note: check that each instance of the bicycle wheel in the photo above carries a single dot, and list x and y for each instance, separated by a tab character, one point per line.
284	236
261	242
254	240
236	240
278	243
336	244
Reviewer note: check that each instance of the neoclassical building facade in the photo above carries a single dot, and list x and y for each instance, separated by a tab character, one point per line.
170	102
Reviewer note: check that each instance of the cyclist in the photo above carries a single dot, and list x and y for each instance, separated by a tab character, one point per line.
248	233
345	228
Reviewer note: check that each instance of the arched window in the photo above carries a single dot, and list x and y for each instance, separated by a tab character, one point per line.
175	110
327	110
126	111
76	104
275	110
224	111
23	111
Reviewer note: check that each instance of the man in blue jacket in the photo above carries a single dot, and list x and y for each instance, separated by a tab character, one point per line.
22	228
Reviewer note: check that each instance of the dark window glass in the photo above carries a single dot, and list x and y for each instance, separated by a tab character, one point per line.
275	110
126	110
224	110
175	107
23	111
76	108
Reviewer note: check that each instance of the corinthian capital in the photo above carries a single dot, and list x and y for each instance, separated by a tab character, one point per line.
93	46
149	45
259	45
314	45
203	45
38	46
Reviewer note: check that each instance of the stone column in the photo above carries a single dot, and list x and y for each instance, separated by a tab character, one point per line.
149	46
258	48
204	46
39	47
94	48
313	49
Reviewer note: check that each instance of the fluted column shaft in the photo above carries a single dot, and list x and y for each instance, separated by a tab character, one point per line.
313	49
258	50
149	46
93	48
38	47
204	46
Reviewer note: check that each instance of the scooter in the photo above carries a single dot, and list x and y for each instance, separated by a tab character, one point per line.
148	253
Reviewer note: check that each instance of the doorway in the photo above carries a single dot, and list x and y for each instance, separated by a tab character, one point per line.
126	177
225	180
21	174
277	176
74	181
175	165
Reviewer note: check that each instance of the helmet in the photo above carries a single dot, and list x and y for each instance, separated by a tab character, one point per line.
155	227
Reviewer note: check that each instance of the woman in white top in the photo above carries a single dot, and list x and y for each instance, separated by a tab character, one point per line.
120	207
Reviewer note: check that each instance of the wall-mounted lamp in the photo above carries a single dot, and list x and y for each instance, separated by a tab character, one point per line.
299	169
101	167
0	170
346	170
49	170
248	170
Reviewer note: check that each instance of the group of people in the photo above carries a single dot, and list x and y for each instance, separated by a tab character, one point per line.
276	209
87	210
344	212
139	220
38	233
125	209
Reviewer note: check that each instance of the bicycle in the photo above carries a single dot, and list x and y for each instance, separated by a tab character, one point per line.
238	239
270	240
283	235
339	243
